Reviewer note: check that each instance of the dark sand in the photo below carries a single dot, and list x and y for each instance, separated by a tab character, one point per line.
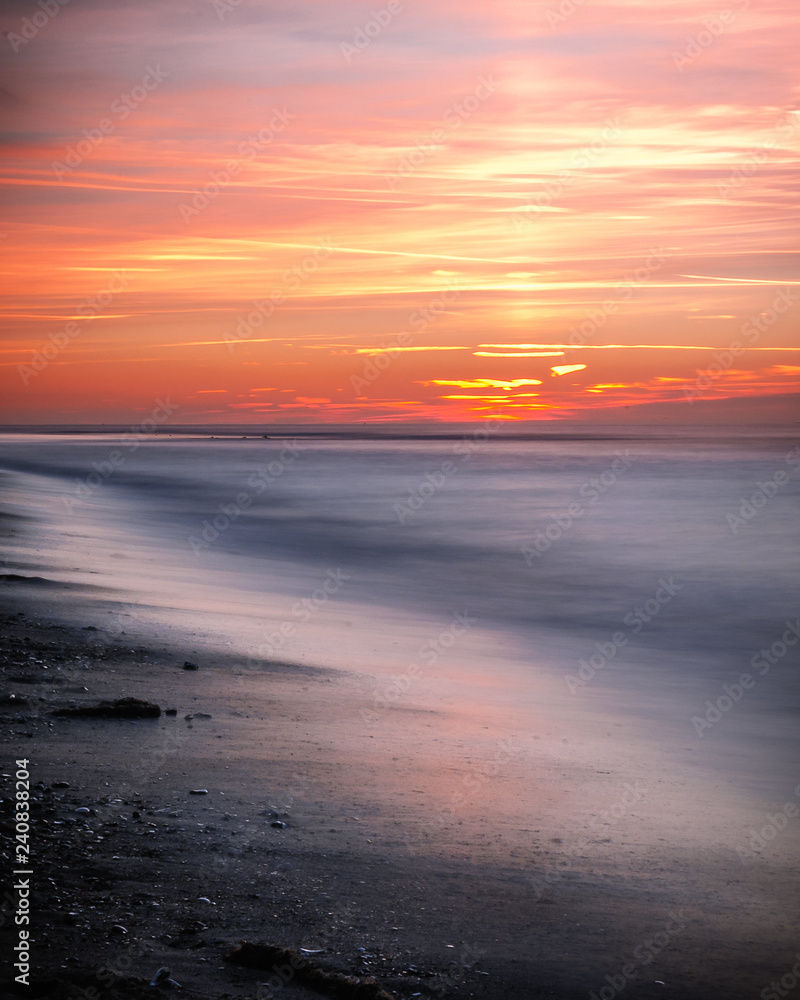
155	876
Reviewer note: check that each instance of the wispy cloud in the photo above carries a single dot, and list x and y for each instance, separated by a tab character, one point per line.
527	224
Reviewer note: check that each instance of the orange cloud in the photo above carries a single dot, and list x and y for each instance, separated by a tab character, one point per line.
489	383
559	206
404	350
517	354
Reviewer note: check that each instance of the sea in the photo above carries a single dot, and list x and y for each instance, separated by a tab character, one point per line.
574	578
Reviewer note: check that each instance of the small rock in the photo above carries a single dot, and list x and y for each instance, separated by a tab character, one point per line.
83	810
60	784
171	711
160	977
118	929
278	824
122	708
204	899
188	665
198	791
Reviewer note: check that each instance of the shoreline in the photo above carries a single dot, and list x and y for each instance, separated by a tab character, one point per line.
156	876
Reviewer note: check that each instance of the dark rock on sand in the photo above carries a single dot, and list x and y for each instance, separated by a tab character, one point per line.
122	708
307	973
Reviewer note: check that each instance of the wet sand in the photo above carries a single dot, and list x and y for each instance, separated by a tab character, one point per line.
419	848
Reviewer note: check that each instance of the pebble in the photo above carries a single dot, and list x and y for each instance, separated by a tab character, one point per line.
278	824
198	791
188	665
160	977
60	784
83	810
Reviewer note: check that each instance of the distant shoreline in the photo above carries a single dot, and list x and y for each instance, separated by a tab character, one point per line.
555	431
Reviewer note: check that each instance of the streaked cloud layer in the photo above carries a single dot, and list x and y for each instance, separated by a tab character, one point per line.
343	211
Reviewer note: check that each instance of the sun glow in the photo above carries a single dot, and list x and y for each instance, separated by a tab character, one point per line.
298	221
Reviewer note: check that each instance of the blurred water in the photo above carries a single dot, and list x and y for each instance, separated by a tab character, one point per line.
551	546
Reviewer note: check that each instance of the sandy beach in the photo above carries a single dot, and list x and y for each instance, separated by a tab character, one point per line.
399	493
389	851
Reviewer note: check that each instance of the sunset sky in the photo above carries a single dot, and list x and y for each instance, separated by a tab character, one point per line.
299	211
